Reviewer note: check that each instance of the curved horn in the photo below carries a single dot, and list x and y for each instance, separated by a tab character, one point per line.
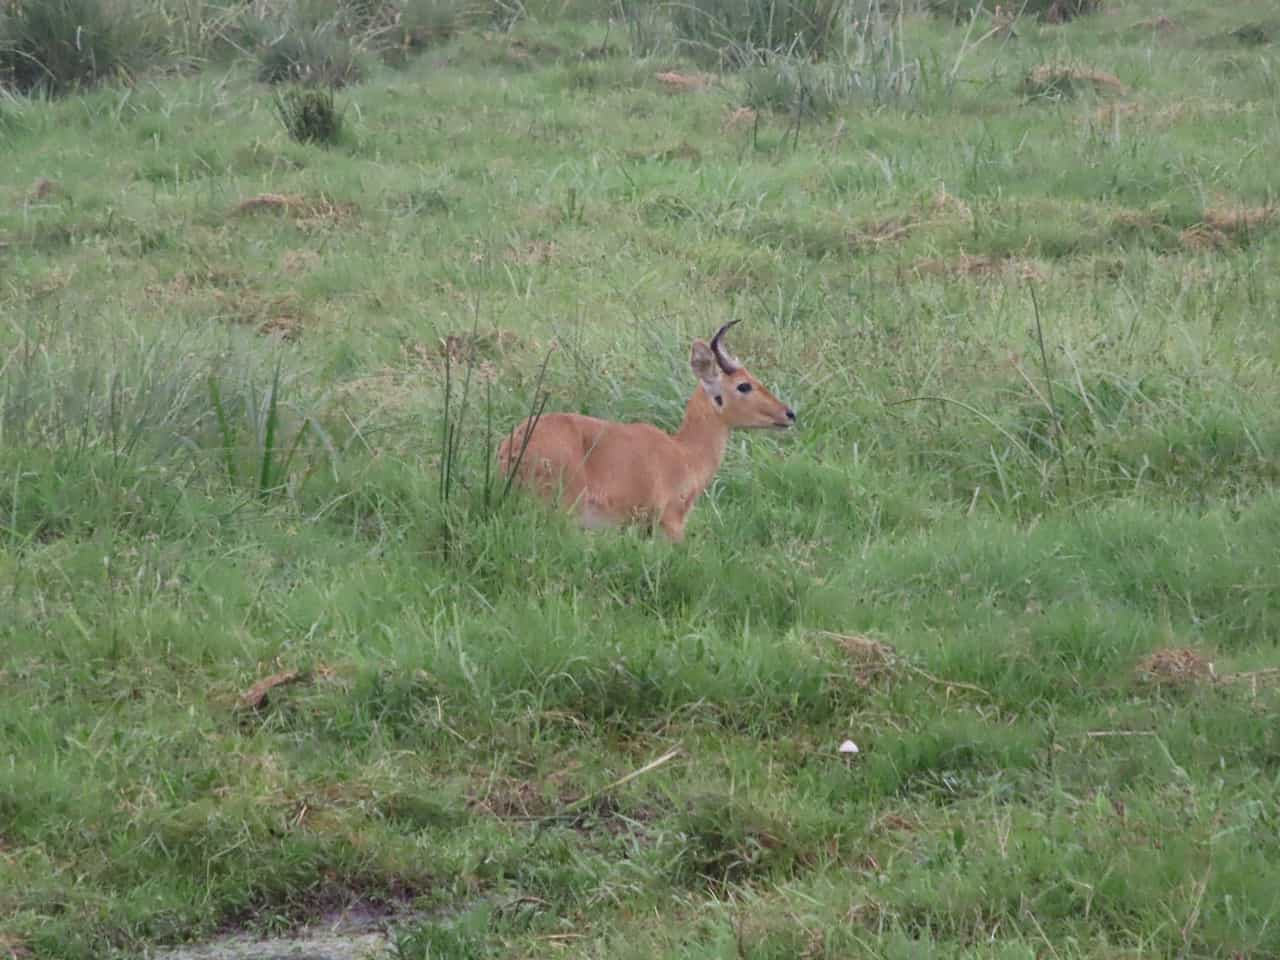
727	363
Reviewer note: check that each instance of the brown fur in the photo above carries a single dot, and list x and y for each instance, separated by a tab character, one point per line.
611	474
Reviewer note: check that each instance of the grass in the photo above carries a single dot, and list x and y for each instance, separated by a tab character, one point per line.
248	391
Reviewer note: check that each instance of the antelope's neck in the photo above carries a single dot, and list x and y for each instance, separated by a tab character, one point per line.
704	435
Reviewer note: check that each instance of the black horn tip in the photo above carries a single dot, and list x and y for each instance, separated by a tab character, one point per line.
726	364
720	332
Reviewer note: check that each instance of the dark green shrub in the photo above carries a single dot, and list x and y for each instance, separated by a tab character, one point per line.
1050	11
310	115
737	33
58	46
316	56
426	22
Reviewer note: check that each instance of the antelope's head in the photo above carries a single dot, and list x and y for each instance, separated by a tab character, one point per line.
736	395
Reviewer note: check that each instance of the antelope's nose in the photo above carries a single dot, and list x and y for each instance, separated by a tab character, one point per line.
791	415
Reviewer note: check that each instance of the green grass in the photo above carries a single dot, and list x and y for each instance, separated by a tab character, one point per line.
248	389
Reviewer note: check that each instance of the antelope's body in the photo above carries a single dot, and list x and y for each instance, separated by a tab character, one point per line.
612	474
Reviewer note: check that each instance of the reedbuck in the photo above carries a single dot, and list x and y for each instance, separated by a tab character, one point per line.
611	474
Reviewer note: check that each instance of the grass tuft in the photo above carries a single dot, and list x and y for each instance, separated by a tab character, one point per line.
318	56
739	33
1049	11
60	46
310	115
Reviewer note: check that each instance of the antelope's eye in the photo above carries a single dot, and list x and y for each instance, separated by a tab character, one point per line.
744	388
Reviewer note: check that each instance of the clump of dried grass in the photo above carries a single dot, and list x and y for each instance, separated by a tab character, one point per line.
1065	81
305	210
534	253
971	265
870	659
1220	226
1161	24
673	82
739	118
1174	666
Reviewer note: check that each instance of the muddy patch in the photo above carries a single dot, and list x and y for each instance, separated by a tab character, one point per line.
311	946
361	931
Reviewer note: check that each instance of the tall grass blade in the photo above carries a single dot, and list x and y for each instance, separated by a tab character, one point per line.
225	433
269	437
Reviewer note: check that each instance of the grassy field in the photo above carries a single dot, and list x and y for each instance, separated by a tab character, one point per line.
1024	548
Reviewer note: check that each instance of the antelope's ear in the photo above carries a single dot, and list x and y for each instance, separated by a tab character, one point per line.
705	368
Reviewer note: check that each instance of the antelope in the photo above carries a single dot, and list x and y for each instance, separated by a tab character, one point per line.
614	474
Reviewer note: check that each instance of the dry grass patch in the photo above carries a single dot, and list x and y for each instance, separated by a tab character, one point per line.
739	119
305	211
460	347
1174	666
940	207
1063	81
875	233
386	389
279	315
523	52
674	82
196	283
507	798
1222	226
683	150
260	692
1109	113
944	204
870	659
299	261
970	265
13	947
533	253
255	696
1160	24
43	188
1234	219
229	296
